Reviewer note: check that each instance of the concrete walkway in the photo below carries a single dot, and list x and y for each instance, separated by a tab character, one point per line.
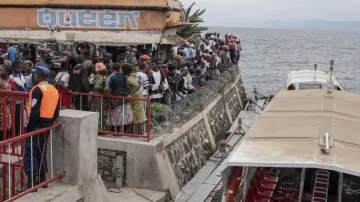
128	195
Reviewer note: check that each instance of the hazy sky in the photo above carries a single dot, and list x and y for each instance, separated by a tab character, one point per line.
246	12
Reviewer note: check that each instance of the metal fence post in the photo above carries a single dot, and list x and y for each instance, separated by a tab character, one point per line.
81	103
149	121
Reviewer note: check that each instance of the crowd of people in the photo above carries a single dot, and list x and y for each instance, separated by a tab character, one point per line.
134	74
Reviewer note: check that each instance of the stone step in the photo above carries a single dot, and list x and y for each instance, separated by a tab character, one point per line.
129	195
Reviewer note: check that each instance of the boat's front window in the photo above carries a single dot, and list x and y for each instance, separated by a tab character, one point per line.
304	86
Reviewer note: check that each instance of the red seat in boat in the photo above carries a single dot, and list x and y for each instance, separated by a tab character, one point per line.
268	178
261	191
264	184
249	198
256	197
263	179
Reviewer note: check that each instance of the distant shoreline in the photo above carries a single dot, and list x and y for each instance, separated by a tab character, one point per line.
342	26
279	28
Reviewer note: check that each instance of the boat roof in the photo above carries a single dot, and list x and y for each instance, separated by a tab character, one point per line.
288	133
303	76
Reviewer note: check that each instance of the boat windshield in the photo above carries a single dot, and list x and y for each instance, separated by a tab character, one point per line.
304	86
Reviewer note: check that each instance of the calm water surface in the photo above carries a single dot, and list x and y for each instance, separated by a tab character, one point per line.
269	55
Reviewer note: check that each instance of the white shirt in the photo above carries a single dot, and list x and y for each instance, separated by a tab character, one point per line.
92	78
144	83
63	77
218	60
157	78
176	50
188	82
186	51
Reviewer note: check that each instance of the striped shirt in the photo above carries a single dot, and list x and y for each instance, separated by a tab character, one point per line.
144	82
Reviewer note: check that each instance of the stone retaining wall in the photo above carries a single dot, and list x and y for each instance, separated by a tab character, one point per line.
171	160
189	152
219	120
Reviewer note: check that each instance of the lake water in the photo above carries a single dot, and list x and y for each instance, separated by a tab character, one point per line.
269	55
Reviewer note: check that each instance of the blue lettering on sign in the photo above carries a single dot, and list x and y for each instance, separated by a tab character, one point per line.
107	19
47	18
87	19
66	18
131	16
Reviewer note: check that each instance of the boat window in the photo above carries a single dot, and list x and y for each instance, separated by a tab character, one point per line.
291	87
304	86
337	88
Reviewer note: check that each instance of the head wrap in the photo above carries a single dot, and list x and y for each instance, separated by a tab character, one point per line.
28	64
99	67
144	57
130	58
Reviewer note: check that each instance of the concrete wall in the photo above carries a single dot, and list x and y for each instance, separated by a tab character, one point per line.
75	156
171	160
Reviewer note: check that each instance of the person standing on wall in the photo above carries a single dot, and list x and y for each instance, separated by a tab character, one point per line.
42	111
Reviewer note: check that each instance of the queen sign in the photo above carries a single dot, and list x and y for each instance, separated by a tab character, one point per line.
90	19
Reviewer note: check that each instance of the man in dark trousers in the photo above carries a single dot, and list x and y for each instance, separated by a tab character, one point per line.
42	111
79	82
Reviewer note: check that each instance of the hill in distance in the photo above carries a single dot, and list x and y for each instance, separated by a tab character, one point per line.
311	25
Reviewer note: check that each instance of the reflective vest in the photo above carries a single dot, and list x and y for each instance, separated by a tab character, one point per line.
49	101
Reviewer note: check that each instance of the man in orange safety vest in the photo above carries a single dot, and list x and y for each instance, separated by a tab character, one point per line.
42	111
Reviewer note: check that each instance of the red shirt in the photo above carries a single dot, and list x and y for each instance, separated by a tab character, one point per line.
165	71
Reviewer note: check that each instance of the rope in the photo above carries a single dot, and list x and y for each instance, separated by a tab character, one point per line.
138	192
351	188
113	188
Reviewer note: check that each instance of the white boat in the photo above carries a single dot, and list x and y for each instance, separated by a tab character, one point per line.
304	146
310	79
312	137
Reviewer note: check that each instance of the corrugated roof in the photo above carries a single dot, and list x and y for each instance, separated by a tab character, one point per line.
288	132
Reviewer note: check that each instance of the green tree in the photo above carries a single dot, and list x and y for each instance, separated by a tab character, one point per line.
195	18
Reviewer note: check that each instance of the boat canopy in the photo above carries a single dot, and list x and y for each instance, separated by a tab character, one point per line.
290	131
310	77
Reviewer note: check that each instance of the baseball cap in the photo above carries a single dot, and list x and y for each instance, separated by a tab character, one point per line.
41	69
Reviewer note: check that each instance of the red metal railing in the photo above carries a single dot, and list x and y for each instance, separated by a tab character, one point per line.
13	179
115	117
13	121
13	118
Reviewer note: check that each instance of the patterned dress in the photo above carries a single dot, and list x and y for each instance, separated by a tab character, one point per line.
100	84
6	85
133	84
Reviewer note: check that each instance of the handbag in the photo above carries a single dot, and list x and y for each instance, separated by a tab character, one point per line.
120	116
